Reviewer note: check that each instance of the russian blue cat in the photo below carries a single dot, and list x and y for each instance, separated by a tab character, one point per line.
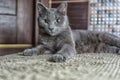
56	37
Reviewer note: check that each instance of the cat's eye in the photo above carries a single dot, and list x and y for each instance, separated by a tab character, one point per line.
58	20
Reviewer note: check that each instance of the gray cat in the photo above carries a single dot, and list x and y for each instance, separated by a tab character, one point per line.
56	37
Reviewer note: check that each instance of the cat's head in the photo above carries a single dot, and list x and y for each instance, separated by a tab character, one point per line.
53	20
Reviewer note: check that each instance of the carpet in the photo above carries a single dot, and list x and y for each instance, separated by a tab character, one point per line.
88	66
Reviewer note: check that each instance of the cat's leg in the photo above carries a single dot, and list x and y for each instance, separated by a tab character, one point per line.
113	49
65	53
118	52
36	51
109	39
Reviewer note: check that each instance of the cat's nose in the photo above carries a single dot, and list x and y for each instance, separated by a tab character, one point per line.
51	28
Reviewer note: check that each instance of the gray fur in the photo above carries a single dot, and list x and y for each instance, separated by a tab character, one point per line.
56	37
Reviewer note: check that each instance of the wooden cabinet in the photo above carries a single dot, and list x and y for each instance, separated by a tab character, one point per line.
77	12
18	24
8	21
16	21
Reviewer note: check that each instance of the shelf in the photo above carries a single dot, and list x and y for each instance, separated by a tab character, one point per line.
15	46
69	1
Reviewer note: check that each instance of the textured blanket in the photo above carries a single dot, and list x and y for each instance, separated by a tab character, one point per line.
82	67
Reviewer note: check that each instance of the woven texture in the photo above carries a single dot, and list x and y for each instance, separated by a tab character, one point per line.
105	16
82	67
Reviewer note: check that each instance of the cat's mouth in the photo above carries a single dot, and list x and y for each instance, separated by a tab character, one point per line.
51	32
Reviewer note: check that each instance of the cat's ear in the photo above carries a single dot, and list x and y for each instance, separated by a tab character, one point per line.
41	8
62	8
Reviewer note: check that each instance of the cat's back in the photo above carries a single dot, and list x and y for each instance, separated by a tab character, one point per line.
84	35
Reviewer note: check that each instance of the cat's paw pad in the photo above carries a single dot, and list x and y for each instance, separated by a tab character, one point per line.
58	58
29	52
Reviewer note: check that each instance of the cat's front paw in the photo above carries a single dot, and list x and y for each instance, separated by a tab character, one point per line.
30	52
58	58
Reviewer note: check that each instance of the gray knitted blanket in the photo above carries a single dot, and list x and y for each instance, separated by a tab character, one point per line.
90	66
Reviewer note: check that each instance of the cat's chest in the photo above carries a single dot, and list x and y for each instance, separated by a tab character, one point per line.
47	40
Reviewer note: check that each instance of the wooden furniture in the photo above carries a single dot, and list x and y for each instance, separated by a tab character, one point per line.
17	25
77	12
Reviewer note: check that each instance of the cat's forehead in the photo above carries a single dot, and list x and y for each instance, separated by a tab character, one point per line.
52	9
52	12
